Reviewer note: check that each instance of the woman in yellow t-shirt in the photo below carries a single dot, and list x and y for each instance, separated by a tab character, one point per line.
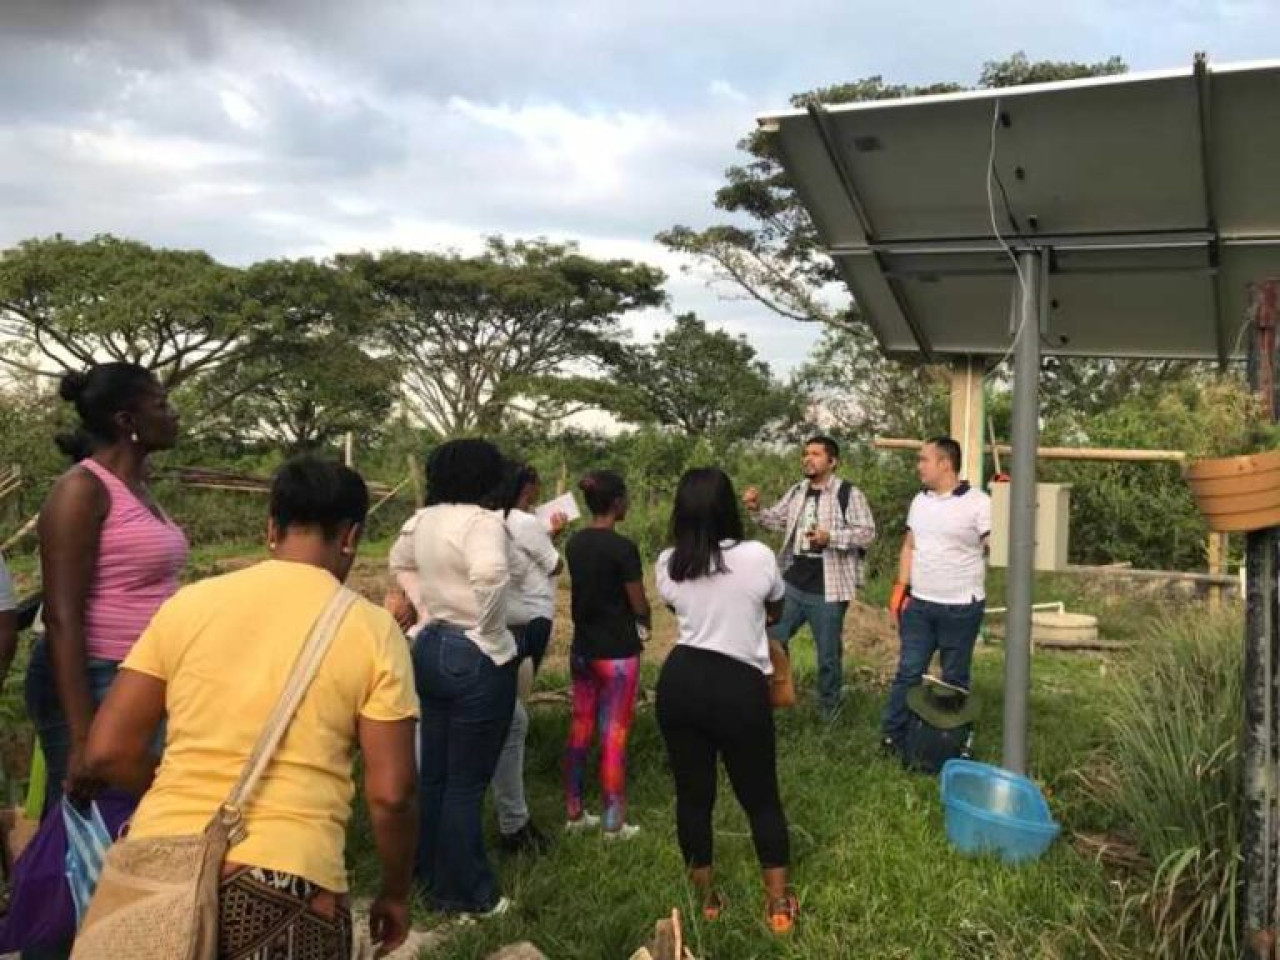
215	660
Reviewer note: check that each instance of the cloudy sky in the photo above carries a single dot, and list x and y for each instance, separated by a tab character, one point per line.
262	128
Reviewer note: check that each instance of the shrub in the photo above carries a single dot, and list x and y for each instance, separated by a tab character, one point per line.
1175	728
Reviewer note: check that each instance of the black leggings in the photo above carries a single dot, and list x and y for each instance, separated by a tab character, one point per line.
709	703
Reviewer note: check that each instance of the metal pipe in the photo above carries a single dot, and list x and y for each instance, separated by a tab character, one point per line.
1059	606
1022	509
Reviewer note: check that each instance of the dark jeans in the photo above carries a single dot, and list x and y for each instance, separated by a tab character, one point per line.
711	705
45	710
467	703
948	628
826	620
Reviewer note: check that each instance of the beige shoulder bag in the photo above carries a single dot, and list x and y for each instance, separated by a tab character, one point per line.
157	898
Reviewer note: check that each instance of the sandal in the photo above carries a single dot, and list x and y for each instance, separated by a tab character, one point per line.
783	912
713	906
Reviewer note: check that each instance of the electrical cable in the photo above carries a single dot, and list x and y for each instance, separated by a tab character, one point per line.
993	175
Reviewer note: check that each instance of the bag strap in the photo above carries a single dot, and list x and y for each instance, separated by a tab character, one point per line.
304	671
843	495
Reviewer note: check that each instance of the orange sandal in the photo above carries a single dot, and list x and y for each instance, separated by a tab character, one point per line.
713	906
783	912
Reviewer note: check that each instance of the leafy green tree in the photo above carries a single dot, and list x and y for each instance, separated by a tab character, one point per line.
327	387
705	382
65	305
862	394
475	334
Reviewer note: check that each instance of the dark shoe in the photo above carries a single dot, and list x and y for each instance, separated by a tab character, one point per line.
528	839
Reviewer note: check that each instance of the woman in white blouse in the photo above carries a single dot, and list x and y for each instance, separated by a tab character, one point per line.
465	668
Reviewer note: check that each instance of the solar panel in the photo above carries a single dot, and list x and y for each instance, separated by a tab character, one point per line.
1156	195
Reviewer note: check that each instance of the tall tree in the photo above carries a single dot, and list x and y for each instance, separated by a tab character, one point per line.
475	333
771	252
180	313
64	305
704	382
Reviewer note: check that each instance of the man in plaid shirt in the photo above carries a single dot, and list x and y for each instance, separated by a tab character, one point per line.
827	525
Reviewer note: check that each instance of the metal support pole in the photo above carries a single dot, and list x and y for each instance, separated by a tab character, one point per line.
1022	509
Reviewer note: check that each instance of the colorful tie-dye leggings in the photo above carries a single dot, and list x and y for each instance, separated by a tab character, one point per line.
604	692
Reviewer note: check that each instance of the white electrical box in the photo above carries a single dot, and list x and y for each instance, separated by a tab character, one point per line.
1053	508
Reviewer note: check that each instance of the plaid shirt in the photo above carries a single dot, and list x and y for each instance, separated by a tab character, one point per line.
851	534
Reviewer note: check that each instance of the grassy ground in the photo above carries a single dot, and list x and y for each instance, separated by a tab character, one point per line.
870	859
871	862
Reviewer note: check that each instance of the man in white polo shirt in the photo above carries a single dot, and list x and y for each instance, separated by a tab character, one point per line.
940	595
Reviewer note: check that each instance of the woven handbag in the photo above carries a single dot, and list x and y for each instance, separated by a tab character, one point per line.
157	898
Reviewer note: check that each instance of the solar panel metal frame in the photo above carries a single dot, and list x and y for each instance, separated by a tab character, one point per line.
1157	196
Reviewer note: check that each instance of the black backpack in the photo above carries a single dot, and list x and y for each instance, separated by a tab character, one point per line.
925	748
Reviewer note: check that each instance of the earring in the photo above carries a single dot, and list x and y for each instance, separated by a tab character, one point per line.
134	436
271	544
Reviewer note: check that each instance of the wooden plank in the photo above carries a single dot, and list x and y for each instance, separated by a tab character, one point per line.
1055	453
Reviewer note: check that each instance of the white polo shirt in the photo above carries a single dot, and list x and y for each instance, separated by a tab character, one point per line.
948	562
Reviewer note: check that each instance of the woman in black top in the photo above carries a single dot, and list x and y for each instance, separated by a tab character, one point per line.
610	622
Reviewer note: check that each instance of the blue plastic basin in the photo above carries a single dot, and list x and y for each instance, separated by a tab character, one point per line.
989	810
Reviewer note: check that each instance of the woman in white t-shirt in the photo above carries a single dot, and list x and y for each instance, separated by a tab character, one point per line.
713	693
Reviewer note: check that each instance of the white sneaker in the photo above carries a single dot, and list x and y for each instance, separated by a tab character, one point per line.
624	832
503	905
585	822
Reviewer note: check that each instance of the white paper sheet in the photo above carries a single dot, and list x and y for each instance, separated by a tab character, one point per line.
562	504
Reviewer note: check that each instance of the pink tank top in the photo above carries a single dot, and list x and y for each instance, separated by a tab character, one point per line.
140	558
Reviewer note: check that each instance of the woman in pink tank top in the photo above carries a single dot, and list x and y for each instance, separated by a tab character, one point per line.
109	557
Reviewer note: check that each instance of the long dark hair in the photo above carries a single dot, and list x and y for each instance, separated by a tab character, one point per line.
705	512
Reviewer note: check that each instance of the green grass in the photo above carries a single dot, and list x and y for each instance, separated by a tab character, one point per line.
870	859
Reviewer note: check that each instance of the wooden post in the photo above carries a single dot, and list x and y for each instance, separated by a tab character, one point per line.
419	482
349	449
1218	543
968	416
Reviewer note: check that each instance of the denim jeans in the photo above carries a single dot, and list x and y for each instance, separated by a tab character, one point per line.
508	779
826	620
467	704
950	629
45	710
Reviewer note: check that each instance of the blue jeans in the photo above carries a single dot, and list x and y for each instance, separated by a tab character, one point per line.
467	703
826	620
45	710
948	628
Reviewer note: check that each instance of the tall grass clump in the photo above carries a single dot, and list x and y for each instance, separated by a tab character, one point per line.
1175	726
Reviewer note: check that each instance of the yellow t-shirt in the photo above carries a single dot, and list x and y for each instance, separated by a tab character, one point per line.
224	648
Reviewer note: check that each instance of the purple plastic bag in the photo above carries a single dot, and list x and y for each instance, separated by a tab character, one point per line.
41	912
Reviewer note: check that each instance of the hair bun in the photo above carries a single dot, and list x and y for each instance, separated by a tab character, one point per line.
72	386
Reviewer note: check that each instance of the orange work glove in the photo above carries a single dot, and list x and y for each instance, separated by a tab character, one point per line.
898	601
